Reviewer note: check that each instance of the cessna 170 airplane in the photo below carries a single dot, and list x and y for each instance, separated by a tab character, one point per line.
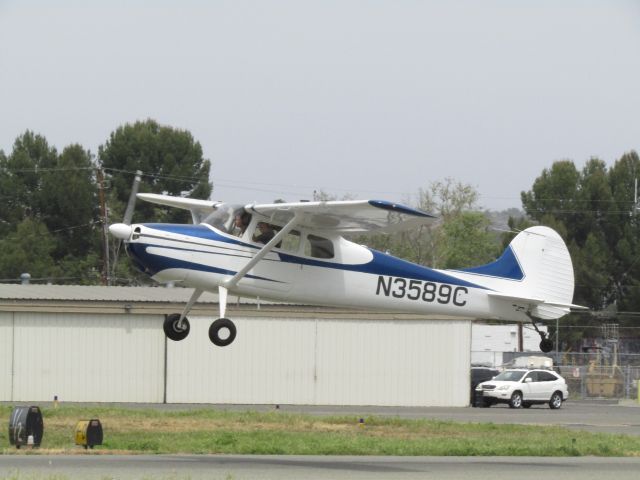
296	252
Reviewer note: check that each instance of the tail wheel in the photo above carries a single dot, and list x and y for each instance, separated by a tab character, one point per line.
546	345
222	332
172	328
516	400
555	401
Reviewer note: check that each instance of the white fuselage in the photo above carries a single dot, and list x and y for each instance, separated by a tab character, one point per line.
202	257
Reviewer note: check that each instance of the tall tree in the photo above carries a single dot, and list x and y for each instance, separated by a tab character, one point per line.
171	162
68	203
593	210
21	177
28	250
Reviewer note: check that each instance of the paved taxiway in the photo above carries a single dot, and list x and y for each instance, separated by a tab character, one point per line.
238	467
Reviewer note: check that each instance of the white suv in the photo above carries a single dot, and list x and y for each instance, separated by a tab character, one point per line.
523	388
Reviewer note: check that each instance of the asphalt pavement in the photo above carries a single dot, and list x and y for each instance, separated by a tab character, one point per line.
239	467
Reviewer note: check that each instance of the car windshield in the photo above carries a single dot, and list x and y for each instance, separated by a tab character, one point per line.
510	375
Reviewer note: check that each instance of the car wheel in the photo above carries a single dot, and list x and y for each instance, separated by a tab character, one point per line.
516	400
555	401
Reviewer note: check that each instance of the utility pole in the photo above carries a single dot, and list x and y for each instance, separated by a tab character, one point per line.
105	228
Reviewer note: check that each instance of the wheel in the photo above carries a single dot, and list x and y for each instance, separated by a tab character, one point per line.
546	345
171	329
556	400
219	325
516	400
526	405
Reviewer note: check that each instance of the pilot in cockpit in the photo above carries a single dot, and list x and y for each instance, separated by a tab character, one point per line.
264	234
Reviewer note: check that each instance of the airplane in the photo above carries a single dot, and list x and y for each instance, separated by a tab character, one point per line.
297	252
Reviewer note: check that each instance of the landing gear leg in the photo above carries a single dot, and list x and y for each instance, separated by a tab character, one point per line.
176	326
222	331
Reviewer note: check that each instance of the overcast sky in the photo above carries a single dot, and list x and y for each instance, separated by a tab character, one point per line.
372	98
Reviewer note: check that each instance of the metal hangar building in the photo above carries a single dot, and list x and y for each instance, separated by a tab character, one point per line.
106	344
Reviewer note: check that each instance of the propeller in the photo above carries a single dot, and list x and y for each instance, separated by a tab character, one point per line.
122	231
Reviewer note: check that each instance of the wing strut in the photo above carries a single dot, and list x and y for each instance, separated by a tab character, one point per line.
233	281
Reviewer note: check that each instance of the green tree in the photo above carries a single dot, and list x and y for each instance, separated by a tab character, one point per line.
68	203
50	194
593	211
21	178
28	250
171	162
469	241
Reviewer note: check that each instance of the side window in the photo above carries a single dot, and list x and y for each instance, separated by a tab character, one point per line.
546	377
291	241
318	247
532	375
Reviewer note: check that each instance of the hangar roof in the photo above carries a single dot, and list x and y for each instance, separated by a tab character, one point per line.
100	293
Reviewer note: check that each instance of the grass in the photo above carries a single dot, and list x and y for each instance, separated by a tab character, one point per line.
208	431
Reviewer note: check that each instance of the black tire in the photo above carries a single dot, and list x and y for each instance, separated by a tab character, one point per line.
214	332
526	405
171	330
555	401
546	345
516	400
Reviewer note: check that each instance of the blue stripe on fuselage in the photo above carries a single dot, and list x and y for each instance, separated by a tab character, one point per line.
387	265
381	264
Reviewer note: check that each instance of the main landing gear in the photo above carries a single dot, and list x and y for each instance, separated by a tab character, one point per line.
222	331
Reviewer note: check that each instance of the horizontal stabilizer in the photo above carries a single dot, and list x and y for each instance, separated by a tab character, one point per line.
536	301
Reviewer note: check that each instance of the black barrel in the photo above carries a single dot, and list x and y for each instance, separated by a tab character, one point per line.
26	422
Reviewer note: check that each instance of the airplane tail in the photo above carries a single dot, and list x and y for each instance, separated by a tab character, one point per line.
535	271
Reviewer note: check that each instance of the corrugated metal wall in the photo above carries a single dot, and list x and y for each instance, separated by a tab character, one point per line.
6	354
121	358
325	362
101	358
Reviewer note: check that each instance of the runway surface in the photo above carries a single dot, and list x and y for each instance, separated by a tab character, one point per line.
233	467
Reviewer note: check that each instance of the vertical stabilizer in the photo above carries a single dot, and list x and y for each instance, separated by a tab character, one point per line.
535	271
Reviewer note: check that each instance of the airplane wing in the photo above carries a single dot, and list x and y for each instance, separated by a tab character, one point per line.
343	217
199	208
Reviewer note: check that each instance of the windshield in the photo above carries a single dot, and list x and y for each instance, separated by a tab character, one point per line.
223	217
510	375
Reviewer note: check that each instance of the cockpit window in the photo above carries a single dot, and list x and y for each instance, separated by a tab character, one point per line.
318	247
229	218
